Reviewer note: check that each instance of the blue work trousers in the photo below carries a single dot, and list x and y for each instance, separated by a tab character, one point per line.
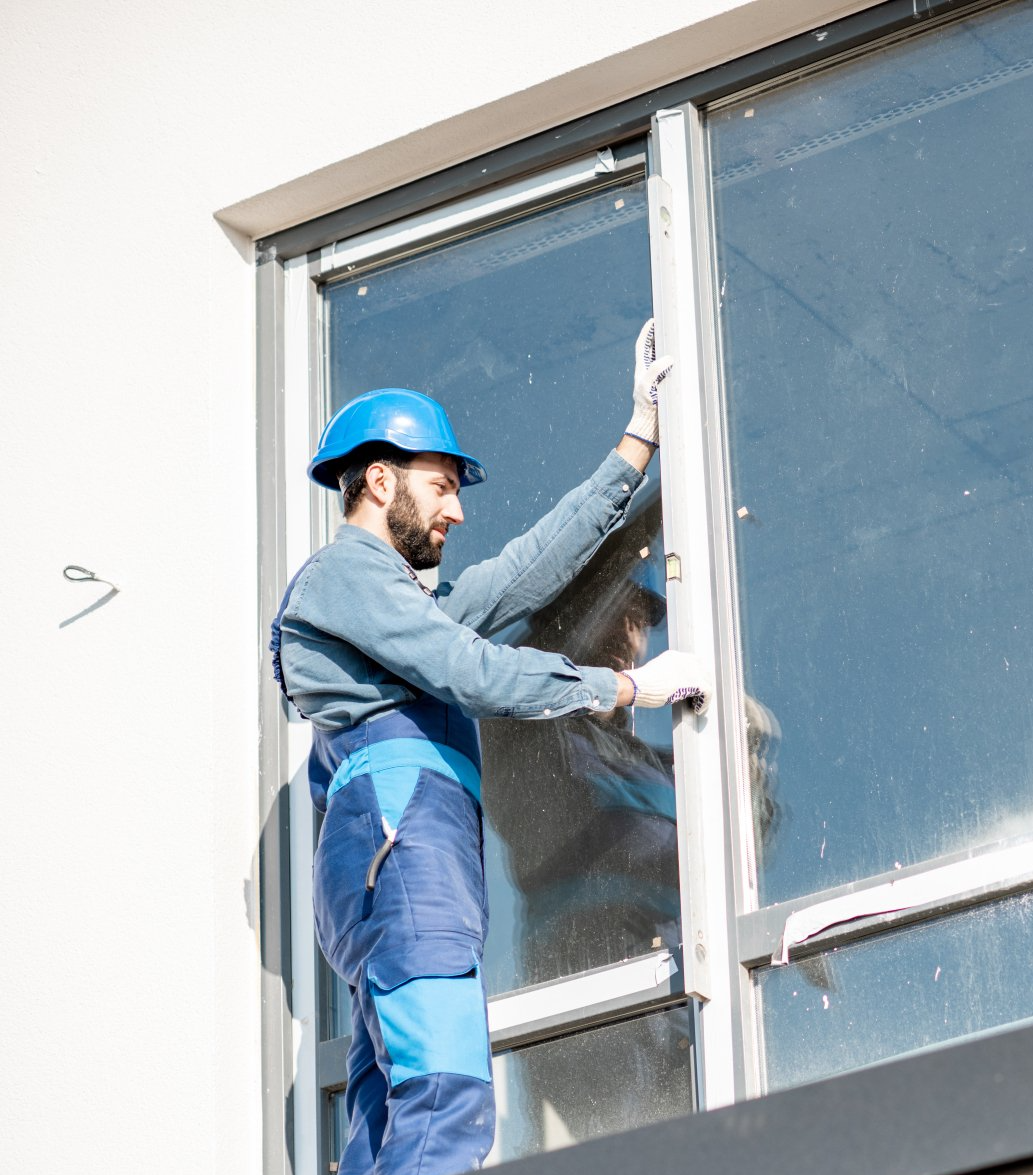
419	1096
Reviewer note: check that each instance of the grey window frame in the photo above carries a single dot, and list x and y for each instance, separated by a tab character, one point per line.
616	992
612	127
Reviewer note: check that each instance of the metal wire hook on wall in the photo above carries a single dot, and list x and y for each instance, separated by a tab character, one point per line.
76	574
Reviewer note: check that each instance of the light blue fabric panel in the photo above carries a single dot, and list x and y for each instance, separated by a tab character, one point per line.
356	764
418	752
434	1025
378	758
394	787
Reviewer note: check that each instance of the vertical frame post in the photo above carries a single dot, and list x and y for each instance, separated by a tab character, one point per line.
685	328
273	906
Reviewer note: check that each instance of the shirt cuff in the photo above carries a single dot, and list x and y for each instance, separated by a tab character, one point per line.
617	480
602	687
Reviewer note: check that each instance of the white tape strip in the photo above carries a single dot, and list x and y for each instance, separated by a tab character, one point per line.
934	885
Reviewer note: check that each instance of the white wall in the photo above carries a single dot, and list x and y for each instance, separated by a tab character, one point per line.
129	969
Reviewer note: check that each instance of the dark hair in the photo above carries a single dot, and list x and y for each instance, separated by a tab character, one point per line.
351	472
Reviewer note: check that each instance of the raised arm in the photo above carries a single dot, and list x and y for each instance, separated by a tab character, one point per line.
533	568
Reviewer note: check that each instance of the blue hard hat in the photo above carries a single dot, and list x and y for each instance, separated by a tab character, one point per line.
408	420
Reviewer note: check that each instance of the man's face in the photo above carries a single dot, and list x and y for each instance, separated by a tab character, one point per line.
622	640
425	505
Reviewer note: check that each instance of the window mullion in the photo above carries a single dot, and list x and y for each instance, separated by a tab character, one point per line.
299	504
684	322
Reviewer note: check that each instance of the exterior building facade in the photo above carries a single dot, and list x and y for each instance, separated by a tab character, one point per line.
254	215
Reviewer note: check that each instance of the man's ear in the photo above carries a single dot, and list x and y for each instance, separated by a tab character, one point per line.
381	480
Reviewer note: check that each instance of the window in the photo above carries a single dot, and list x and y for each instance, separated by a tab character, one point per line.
498	326
874	279
832	869
519	313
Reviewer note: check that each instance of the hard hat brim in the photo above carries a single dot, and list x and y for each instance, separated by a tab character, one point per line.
471	471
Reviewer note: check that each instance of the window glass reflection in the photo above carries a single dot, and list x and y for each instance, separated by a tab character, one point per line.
904	990
640	1073
875	270
526	334
584	807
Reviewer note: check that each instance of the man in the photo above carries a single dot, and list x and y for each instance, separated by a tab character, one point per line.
393	677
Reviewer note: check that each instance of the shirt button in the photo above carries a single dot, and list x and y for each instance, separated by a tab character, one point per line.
625	487
546	712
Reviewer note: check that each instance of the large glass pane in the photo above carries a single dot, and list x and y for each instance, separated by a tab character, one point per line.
875	274
902	991
599	1082
583	808
526	334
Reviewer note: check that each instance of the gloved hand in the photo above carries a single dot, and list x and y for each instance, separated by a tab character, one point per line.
650	373
672	677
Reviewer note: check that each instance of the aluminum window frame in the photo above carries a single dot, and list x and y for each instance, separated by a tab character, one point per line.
955	881
727	1076
525	1016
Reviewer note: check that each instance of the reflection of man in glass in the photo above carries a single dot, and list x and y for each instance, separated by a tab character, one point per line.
586	805
586	809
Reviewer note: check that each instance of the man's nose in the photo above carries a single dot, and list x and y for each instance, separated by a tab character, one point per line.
453	512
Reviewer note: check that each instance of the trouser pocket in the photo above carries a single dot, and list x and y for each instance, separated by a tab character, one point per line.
430	1011
440	856
339	895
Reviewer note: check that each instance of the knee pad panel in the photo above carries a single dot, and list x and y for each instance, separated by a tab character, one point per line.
431	1014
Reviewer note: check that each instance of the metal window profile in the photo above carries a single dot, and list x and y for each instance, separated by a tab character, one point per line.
814	922
392	242
306	1002
273	921
692	482
884	902
319	1065
577	1001
572	1003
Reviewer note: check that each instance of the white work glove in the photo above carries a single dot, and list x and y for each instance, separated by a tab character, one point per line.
671	677
650	373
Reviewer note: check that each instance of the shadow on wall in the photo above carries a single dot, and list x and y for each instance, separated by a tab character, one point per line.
267	907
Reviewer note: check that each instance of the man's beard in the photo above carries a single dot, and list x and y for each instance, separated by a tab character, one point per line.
409	533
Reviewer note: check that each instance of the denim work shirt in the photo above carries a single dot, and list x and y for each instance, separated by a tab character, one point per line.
359	636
